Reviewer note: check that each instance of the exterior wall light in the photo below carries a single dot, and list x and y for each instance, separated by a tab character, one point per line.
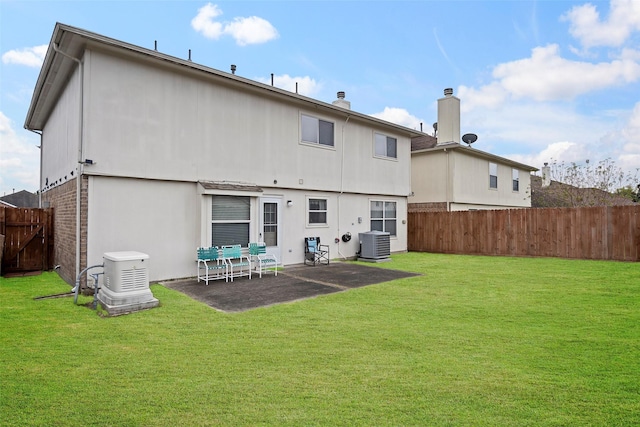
289	203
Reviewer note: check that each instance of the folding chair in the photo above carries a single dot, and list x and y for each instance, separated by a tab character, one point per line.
314	252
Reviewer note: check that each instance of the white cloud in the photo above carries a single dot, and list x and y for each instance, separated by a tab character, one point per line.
524	108
251	30
489	96
399	116
630	135
543	132
630	54
547	76
31	56
204	23
307	86
563	151
19	160
529	126
586	26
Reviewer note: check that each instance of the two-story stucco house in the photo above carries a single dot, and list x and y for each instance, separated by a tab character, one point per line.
449	176
147	152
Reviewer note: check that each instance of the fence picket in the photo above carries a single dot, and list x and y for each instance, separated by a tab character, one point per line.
609	233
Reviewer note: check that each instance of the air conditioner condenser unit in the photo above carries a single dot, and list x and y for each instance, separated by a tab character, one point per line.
375	246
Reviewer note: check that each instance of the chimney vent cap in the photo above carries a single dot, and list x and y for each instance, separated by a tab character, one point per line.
448	91
341	95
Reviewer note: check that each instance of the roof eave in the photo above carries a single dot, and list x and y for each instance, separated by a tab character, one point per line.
477	153
53	64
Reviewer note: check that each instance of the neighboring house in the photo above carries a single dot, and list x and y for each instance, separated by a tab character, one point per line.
449	176
147	152
547	193
20	199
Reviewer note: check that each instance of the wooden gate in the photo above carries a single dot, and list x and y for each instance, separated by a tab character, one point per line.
28	242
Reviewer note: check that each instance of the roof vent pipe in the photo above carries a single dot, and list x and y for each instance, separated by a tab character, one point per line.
155	45
271	79
233	69
189	54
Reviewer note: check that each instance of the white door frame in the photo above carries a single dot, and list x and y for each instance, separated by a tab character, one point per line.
272	250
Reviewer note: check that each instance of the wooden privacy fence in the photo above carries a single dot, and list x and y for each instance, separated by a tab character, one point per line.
607	233
28	239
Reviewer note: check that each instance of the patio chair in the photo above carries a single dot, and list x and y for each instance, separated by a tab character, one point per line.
314	252
237	263
211	266
261	259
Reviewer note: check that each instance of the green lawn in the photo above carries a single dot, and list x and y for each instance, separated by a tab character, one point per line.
474	341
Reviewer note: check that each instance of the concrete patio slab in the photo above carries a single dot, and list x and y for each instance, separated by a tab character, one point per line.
291	284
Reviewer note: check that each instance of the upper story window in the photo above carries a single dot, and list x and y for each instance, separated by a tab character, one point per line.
317	211
386	146
493	175
316	131
515	177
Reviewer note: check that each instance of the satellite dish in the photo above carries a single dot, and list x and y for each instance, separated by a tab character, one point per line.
469	138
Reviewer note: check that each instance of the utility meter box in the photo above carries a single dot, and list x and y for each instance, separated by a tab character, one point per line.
125	285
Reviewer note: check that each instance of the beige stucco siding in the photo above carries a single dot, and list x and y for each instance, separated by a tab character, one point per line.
158	218
460	177
168	220
60	137
429	177
154	122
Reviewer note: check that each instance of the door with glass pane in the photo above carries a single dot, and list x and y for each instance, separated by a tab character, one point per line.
269	231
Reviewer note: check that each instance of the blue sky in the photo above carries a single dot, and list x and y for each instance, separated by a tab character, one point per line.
539	81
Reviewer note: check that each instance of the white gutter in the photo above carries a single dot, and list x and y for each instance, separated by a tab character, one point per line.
80	152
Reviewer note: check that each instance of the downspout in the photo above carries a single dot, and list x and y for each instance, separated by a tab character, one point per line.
80	154
341	185
40	179
448	181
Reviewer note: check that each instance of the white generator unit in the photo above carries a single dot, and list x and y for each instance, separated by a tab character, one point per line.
125	285
375	246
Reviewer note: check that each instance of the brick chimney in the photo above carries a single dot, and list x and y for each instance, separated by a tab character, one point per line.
448	118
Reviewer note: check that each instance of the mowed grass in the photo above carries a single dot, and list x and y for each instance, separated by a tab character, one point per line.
473	341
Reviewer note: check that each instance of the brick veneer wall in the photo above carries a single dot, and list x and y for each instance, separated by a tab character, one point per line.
63	201
428	207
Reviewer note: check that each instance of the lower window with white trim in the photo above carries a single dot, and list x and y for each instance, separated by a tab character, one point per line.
230	218
317	211
384	216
